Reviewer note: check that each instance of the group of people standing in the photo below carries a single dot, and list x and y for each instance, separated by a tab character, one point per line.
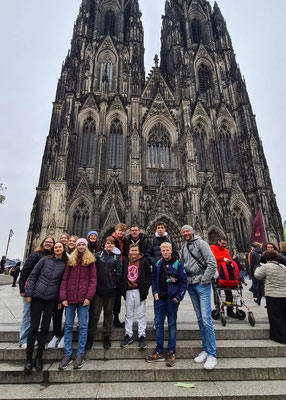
84	277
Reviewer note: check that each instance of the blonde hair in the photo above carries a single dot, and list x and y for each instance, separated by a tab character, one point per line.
87	258
167	245
282	246
121	226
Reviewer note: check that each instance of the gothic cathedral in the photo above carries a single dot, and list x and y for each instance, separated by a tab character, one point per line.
180	145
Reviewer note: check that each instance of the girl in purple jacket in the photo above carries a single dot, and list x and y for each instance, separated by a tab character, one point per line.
77	290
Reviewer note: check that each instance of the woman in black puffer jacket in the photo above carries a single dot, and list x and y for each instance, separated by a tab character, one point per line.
42	292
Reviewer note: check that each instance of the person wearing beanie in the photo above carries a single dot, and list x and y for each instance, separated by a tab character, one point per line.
201	267
94	244
76	292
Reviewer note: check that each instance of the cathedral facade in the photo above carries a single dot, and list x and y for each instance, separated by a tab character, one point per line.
180	145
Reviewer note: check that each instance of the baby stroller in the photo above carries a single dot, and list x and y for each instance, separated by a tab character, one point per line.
229	280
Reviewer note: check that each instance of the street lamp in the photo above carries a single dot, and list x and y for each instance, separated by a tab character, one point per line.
11	233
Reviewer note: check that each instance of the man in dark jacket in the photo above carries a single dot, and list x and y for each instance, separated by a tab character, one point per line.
2	264
121	244
109	277
153	252
136	237
137	278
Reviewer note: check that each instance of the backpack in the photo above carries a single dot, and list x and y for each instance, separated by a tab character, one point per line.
13	271
229	275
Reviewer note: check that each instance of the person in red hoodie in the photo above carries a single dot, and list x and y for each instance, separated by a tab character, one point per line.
76	292
122	245
221	254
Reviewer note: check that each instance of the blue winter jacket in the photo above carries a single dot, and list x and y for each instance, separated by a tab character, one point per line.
175	290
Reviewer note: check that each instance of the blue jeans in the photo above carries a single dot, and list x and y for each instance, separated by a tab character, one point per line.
163	308
201	299
25	324
82	313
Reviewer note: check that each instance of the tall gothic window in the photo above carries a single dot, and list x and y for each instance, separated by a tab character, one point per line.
159	147
88	143
106	72
116	145
225	149
109	23
240	229
196	30
204	78
81	219
199	139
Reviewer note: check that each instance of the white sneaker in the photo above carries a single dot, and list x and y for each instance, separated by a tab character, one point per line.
210	363
53	343
61	344
201	357
23	346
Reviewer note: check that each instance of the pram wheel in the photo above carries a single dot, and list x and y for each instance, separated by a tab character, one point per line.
241	314
251	318
215	314
223	319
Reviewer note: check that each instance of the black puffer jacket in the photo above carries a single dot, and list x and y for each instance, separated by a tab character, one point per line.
109	273
255	257
28	267
144	278
45	280
142	242
153	253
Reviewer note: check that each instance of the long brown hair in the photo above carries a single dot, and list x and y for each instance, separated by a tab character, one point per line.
87	258
41	249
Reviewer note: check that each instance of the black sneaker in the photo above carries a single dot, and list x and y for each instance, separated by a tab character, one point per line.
142	342
171	359
65	362
155	357
77	364
126	341
106	342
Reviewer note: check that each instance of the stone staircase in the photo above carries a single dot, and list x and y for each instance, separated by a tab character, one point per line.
249	367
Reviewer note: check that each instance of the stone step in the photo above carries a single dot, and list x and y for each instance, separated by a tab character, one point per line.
235	331
216	390
185	350
140	371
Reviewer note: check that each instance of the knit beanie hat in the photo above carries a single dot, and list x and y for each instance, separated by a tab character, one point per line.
92	232
81	240
189	227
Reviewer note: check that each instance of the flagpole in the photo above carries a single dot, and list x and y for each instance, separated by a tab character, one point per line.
11	233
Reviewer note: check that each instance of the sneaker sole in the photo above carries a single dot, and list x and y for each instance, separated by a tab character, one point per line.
79	366
159	360
142	347
210	368
65	367
126	345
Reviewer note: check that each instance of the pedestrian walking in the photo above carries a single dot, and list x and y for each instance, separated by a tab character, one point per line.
15	271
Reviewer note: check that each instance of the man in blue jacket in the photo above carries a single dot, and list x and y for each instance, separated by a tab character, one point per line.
169	285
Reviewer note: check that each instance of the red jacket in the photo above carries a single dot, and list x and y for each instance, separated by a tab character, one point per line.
78	283
220	253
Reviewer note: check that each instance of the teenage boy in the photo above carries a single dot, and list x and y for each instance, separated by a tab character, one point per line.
109	276
121	244
153	252
136	237
137	279
169	284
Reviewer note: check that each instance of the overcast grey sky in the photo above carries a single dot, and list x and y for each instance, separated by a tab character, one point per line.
35	37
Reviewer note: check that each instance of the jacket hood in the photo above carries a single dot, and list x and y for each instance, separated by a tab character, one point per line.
116	251
165	234
137	259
